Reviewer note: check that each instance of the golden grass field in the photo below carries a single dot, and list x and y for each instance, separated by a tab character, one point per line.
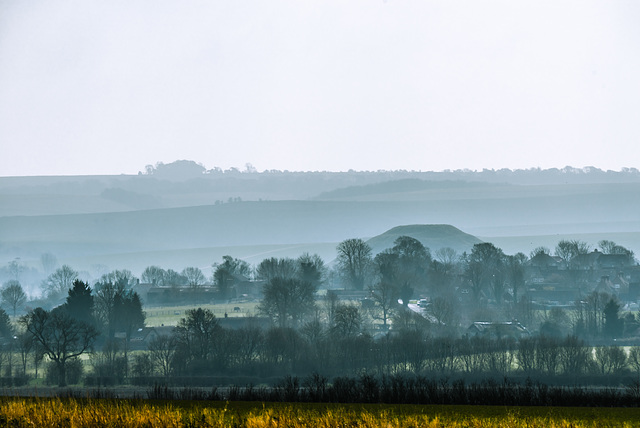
57	412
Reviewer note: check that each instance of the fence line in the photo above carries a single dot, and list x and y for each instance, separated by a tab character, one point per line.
158	313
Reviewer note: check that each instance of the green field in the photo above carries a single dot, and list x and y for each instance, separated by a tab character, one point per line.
170	315
54	412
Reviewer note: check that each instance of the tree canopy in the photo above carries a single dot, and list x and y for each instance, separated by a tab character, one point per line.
354	261
287	301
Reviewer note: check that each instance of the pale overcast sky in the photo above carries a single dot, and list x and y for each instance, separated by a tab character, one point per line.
107	87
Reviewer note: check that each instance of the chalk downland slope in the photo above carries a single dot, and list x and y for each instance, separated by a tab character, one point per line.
432	236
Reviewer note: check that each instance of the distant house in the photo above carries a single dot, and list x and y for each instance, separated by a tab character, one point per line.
634	292
597	260
545	262
605	286
587	261
141	338
614	261
497	330
246	289
554	292
618	286
142	289
541	267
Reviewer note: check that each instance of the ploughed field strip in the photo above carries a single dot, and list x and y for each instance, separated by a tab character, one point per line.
55	412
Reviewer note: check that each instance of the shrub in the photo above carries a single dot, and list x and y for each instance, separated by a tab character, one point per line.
74	370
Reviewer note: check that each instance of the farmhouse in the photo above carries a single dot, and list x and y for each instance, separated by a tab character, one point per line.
498	330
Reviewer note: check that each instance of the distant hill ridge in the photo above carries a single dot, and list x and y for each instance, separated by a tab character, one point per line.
188	184
398	186
432	236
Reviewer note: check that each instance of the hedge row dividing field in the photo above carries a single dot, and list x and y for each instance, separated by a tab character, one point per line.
70	412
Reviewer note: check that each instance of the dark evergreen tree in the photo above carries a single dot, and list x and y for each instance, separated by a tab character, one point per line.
227	273
613	324
128	312
79	302
6	329
312	269
118	309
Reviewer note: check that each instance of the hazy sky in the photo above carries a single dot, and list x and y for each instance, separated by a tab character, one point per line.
92	87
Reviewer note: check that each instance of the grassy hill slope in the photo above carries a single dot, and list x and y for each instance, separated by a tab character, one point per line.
432	236
295	222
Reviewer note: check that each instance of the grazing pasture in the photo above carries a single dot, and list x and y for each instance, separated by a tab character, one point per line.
170	315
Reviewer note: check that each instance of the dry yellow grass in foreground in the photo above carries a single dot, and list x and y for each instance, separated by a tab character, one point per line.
18	412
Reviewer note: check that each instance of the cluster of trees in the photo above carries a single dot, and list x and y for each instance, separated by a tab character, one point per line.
494	280
326	334
189	276
224	275
86	318
199	346
407	270
290	288
570	249
12	295
187	168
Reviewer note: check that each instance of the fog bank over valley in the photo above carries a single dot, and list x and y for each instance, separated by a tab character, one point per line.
183	214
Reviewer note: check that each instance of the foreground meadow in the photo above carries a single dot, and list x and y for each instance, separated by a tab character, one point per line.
62	412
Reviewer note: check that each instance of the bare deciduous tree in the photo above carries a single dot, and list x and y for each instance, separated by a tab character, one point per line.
195	277
162	350
274	267
385	298
354	259
445	310
485	268
567	250
515	273
48	262
60	281
153	275
15	269
13	295
610	247
347	321
196	335
610	359
61	337
539	250
288	301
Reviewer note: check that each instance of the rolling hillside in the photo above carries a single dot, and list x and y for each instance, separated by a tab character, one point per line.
133	221
432	236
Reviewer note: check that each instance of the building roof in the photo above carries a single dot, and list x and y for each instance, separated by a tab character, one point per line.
544	260
499	328
614	260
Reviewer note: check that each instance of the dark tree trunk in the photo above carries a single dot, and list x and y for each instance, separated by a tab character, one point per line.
62	373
